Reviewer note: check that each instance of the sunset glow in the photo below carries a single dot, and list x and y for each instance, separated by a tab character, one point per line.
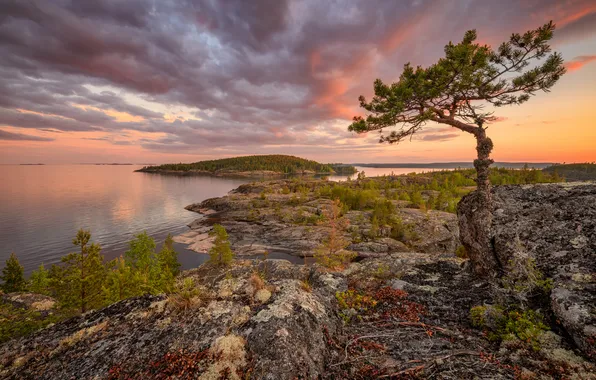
170	83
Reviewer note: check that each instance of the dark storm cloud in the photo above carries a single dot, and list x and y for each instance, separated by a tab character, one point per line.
5	135
260	72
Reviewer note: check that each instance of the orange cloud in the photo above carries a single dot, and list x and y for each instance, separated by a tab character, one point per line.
579	62
576	15
117	115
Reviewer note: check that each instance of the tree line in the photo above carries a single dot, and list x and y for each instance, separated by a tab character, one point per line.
84	280
276	162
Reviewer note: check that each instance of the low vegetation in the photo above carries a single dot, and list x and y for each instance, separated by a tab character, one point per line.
85	280
499	324
275	163
332	253
221	253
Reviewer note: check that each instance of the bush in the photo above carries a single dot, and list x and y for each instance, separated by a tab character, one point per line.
17	322
13	278
499	325
221	253
186	296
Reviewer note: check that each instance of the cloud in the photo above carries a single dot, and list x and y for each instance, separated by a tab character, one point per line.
201	73
5	135
440	137
579	62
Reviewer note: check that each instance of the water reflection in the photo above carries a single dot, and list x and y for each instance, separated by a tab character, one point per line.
41	208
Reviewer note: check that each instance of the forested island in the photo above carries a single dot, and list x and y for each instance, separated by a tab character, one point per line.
252	166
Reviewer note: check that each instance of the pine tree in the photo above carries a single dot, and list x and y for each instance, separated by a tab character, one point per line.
169	267
220	253
13	277
120	281
332	253
39	281
141	258
457	91
83	275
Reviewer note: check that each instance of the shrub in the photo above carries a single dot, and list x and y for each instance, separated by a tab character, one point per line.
220	253
17	322
353	299
187	295
332	253
498	325
257	282
13	278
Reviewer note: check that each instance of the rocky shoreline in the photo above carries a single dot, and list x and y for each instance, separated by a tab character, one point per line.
404	310
267	217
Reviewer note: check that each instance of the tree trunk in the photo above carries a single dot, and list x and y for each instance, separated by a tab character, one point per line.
476	224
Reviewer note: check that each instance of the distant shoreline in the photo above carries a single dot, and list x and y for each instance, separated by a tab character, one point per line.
455	165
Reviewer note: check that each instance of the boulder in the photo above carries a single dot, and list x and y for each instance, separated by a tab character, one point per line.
553	225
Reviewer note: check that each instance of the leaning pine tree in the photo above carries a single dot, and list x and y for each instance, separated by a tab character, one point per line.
456	91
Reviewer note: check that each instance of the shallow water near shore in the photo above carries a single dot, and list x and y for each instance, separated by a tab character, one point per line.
42	207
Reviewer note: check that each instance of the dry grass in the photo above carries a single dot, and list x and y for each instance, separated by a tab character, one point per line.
306	286
78	336
257	282
187	296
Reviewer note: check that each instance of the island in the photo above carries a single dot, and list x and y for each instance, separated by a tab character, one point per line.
274	165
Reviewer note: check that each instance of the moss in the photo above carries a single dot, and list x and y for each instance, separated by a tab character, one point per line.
461	252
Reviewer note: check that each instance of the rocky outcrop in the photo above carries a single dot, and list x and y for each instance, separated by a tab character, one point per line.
554	226
403	315
221	327
267	217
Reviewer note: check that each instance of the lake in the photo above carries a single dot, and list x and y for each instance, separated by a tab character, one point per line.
42	207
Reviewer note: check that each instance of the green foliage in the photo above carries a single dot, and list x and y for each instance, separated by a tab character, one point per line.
456	89
332	253
499	325
276	162
16	322
121	282
13	277
82	276
186	295
168	265
220	253
83	281
451	186
39	281
357	301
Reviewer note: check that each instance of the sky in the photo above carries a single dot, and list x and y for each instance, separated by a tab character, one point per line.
158	81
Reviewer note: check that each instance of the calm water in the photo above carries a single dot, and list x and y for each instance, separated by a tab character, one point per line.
42	207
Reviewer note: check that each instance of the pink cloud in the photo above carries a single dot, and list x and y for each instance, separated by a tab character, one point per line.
579	62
